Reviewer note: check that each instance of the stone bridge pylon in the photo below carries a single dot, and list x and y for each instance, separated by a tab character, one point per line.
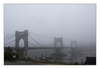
74	49
58	50
18	36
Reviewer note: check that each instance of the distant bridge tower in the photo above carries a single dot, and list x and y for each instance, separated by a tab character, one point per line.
74	49
60	40
58	49
74	44
18	36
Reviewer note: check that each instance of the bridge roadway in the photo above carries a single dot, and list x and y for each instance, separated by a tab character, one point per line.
30	48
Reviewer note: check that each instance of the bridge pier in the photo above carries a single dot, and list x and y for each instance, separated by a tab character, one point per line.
58	50
57	53
74	50
21	54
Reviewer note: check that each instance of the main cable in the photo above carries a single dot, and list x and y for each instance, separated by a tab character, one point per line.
9	42
8	35
41	35
65	44
32	43
9	38
49	44
35	41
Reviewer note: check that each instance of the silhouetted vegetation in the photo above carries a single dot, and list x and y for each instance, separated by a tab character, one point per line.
8	54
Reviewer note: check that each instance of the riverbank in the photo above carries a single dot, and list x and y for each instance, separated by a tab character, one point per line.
38	63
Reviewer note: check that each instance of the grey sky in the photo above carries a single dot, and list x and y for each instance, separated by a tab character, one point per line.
70	21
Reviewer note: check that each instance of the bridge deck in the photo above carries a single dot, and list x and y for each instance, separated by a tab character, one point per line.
38	48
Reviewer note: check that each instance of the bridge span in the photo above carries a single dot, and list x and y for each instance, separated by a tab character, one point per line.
30	48
24	35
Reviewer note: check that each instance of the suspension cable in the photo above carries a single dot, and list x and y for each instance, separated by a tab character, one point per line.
35	41
9	42
49	44
9	38
65	44
32	44
41	35
8	35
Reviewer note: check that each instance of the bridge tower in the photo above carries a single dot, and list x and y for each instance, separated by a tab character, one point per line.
73	48
18	36
58	49
60	40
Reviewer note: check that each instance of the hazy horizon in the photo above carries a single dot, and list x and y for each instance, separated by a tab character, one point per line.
70	21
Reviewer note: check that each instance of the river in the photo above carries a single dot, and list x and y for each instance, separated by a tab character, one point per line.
38	53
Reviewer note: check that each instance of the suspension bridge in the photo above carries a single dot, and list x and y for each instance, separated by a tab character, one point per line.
26	36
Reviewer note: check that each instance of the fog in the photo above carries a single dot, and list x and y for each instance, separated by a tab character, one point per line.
70	21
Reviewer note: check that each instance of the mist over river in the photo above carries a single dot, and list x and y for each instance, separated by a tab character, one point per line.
38	53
